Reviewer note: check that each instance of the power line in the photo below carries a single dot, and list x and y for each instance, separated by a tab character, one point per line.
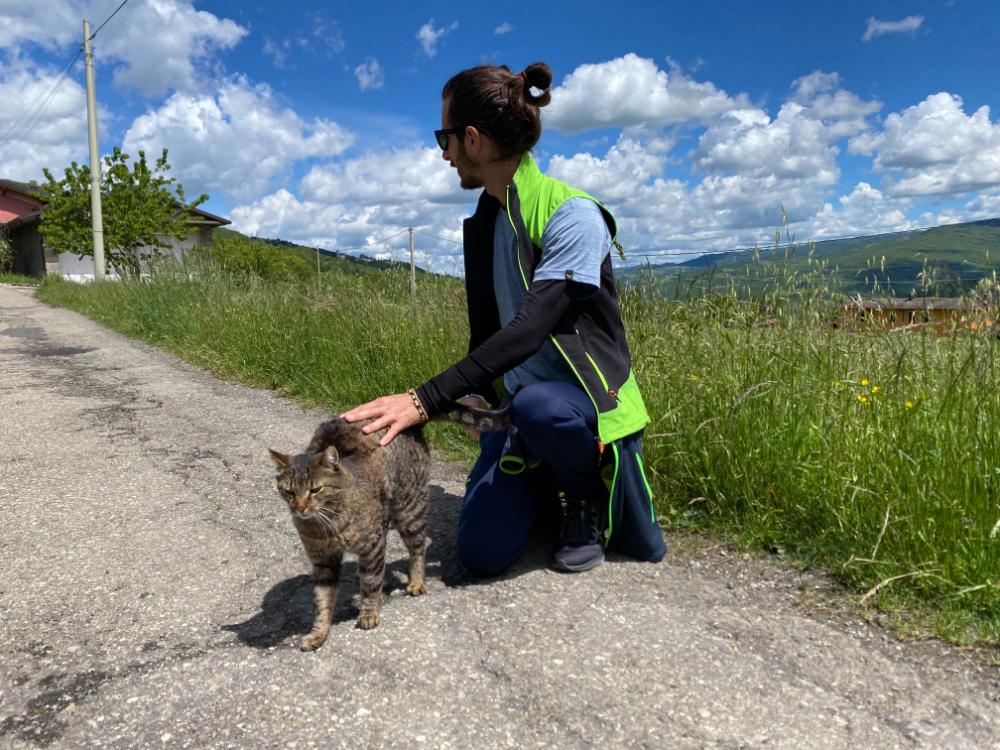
443	239
108	19
371	244
27	113
37	115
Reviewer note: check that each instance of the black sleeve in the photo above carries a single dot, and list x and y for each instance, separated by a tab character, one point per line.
544	304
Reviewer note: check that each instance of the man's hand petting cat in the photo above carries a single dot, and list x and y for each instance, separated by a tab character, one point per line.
396	412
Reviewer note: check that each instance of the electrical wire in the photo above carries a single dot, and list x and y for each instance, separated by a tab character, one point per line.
108	19
38	114
362	247
27	113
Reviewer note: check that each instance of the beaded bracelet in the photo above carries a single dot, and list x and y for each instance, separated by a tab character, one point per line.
420	406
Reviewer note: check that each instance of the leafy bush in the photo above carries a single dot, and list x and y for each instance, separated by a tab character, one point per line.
256	258
6	250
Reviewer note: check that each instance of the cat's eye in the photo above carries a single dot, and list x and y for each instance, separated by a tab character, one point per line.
315	490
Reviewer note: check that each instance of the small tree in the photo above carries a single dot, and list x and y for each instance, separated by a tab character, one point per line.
141	207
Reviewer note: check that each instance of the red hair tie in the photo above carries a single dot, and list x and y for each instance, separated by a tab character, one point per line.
522	76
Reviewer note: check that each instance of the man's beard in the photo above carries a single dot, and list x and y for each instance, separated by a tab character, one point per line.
470	183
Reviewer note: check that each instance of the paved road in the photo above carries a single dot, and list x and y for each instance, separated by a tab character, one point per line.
153	592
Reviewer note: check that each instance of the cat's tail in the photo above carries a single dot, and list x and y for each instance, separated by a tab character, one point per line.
345	437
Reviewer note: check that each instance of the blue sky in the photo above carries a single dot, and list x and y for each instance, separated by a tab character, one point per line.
694	122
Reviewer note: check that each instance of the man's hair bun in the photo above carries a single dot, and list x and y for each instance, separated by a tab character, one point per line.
537	76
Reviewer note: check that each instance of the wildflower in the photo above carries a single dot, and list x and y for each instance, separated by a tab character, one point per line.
876	389
693	378
909	404
864	381
863	400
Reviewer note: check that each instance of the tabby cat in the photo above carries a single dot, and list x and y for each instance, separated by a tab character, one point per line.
344	491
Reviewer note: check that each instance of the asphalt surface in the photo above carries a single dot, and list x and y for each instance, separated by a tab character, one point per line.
153	593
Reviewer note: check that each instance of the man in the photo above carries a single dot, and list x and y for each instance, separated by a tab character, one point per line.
543	314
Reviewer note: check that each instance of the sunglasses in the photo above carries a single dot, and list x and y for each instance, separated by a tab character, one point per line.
442	136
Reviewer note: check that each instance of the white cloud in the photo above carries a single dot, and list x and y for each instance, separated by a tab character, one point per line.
842	112
33	136
793	145
429	35
277	51
364	200
983	206
865	210
155	45
237	142
504	28
878	28
627	165
160	42
49	23
386	178
934	148
370	75
632	91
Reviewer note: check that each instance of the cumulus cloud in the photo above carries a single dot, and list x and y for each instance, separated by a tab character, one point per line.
983	206
504	28
386	177
160	43
364	200
429	35
237	141
48	23
878	28
633	91
865	210
33	137
934	148
370	75
156	45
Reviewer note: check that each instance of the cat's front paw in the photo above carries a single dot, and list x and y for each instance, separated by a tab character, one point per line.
416	588
313	641
368	620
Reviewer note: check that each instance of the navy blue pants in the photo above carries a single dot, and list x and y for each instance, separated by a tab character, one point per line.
557	424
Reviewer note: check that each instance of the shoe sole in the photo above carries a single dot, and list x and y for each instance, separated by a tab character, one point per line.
567	568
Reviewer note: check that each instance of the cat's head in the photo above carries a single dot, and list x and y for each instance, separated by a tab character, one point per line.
308	482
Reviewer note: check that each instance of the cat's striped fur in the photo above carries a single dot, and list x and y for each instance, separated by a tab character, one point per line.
344	492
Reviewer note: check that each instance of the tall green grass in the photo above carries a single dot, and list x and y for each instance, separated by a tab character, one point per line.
872	453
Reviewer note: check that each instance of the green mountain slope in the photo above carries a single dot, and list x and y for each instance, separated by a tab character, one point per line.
941	261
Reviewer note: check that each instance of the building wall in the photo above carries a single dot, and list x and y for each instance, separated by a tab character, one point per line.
75	268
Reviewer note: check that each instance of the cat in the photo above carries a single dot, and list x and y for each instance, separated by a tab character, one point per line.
344	491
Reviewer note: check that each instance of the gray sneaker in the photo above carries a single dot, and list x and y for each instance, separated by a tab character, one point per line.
579	546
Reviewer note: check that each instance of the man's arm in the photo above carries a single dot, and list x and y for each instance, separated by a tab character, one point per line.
544	304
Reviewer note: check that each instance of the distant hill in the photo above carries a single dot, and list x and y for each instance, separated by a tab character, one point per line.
329	258
940	261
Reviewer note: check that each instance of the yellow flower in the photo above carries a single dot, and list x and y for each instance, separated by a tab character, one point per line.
864	381
692	378
876	389
862	399
909	404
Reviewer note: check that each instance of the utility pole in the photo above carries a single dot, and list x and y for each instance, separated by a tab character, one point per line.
318	284
95	160
413	269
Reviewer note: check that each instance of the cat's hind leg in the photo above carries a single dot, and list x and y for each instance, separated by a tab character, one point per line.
411	524
326	577
371	569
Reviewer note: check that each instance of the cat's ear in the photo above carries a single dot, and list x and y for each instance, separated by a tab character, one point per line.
280	459
330	458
